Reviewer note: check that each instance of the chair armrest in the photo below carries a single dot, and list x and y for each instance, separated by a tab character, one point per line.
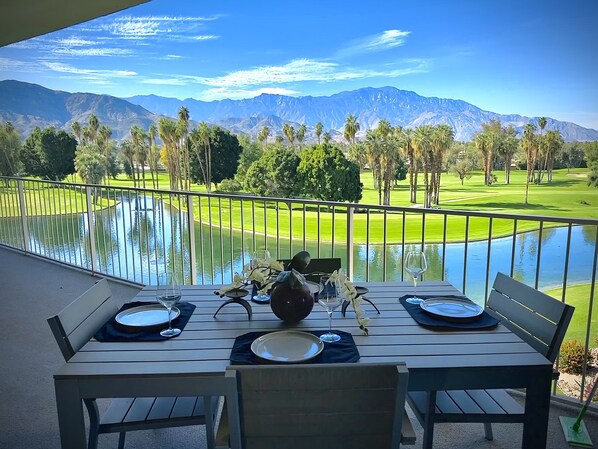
222	430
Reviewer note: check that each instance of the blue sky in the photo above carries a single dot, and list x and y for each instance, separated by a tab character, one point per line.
527	57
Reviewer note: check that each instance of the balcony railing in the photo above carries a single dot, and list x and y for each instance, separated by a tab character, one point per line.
134	234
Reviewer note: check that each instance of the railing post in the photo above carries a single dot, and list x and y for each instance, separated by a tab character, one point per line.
350	226
91	228
191	230
23	208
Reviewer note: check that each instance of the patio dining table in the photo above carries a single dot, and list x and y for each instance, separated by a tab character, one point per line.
437	359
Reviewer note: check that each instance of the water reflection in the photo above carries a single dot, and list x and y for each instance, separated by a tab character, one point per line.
138	239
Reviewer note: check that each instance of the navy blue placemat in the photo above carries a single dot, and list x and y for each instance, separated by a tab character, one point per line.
113	331
484	322
343	351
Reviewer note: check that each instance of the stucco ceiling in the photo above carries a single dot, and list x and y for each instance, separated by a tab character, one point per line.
23	19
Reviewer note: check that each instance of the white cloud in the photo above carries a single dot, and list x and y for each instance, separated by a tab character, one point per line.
375	43
166	81
221	93
207	37
65	68
74	42
91	51
164	27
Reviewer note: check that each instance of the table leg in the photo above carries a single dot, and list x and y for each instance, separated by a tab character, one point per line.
70	414
537	408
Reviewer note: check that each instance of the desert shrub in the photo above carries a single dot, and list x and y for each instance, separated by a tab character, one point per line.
573	357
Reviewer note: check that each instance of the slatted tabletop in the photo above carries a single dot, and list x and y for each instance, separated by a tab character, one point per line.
456	359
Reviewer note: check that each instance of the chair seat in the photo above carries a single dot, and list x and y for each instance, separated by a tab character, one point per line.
126	414
467	406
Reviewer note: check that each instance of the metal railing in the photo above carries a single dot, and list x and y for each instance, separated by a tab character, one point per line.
135	234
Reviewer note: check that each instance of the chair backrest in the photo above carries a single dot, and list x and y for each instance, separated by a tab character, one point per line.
328	406
80	320
318	267
540	320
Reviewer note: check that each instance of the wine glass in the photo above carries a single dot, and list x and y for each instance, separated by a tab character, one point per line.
415	265
168	293
329	298
259	261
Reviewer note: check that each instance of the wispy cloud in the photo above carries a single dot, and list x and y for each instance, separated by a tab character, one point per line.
65	68
66	51
378	42
163	27
220	93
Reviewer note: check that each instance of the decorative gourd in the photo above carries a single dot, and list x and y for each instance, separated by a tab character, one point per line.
290	298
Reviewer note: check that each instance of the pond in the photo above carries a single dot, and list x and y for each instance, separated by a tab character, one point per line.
135	243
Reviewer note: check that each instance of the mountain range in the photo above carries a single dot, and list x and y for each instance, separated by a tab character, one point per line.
29	105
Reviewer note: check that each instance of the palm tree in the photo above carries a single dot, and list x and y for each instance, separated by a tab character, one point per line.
301	135
167	129
104	134
263	135
154	154
541	148
319	129
351	128
507	148
528	143
373	147
554	144
182	131
326	138
289	133
138	137
201	140
76	127
409	151
442	139
422	142
94	125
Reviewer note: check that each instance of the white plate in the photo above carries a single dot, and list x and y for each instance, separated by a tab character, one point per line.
287	346
146	316
452	309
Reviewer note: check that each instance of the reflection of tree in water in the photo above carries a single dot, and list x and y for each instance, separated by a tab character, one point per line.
589	234
106	242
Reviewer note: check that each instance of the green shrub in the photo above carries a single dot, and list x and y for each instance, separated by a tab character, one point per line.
230	186
573	357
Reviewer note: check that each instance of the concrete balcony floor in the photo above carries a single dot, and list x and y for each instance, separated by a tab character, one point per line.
32	289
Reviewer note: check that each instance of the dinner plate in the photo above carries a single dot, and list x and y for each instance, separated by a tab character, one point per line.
287	346
452	309
146	316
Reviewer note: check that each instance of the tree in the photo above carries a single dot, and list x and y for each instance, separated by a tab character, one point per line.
224	157
183	146
410	152
10	150
351	128
319	129
592	161
200	140
553	145
541	150
507	147
127	153
572	155
250	153
462	169
325	174
274	174
103	142
357	153
263	135
528	144
422	142
139	154
301	135
167	129
326	137
289	133
49	153
442	139
89	163
153	157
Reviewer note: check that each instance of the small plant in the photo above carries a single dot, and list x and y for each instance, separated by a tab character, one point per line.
573	357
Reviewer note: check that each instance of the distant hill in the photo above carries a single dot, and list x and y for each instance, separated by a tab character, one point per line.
369	105
28	105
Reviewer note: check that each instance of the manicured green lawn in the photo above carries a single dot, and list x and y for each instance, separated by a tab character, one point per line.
579	297
566	196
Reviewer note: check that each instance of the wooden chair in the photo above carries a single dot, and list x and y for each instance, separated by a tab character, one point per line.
538	319
73	327
331	406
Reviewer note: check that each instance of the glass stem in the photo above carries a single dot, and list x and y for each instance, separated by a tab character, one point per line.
169	321
330	322
414	287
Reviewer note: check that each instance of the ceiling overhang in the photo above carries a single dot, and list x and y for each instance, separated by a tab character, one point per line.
24	19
